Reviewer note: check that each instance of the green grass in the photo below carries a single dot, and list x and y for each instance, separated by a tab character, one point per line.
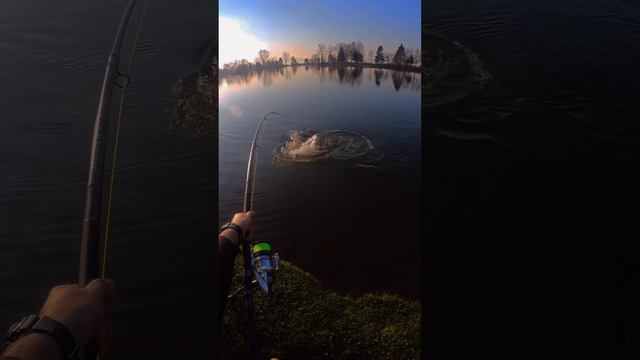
302	320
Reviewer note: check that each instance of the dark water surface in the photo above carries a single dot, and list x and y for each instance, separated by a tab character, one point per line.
52	58
531	142
353	223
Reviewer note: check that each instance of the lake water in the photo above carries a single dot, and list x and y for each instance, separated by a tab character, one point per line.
52	59
355	223
530	117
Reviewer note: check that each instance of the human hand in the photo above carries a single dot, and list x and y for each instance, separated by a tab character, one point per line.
243	220
85	311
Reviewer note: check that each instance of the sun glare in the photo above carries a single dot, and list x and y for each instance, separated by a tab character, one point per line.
235	42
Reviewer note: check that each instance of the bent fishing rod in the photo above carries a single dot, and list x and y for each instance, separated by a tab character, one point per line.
90	240
258	259
90	237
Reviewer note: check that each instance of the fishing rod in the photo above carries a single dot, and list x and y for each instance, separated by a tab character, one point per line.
258	259
90	238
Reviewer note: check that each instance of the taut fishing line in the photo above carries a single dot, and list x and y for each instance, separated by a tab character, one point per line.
117	140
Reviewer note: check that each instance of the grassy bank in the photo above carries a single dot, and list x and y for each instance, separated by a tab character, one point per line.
302	320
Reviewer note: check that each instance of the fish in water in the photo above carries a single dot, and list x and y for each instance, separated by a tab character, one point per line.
309	146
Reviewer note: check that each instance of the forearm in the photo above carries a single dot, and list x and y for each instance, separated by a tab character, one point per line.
227	252
34	347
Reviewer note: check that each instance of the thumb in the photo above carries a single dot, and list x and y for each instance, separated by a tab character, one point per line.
103	287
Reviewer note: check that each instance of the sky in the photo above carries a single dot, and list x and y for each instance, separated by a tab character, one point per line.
298	27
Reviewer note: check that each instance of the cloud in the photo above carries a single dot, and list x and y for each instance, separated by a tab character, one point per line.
235	42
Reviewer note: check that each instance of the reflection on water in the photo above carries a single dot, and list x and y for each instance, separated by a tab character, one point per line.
195	104
349	75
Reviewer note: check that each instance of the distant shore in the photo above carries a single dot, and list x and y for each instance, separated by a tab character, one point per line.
405	68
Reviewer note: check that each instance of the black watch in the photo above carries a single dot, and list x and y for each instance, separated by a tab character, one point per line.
233	226
31	324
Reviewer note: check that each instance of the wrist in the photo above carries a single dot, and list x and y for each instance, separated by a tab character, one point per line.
34	346
231	235
37	336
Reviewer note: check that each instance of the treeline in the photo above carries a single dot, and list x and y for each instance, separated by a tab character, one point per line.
341	53
354	52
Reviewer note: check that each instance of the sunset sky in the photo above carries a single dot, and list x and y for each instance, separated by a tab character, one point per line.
298	27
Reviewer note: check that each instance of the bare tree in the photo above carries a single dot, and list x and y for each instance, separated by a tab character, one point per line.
332	52
410	60
370	53
315	59
414	54
322	50
408	52
417	57
263	56
352	51
360	47
294	61
286	57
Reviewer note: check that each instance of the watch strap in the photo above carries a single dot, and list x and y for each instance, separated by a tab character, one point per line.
20	328
233	226
60	333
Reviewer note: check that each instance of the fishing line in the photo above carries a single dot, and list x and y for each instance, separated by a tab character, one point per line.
117	138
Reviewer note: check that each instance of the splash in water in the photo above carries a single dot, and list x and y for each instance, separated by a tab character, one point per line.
452	71
308	146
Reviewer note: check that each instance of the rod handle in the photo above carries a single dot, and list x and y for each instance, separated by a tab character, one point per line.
91	350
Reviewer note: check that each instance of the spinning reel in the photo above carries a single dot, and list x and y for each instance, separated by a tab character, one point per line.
265	265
